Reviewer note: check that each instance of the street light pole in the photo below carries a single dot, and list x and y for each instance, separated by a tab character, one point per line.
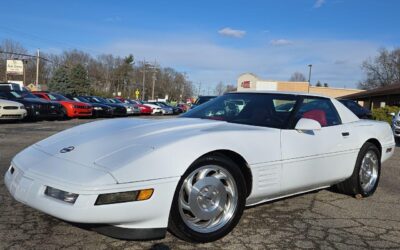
309	77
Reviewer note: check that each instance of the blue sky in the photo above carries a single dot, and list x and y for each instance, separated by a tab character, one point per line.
216	40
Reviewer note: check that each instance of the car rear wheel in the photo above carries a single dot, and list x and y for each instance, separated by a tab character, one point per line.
64	113
209	200
366	174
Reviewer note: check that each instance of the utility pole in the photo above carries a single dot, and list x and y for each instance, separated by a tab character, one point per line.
24	62
37	67
144	78
154	79
309	77
154	82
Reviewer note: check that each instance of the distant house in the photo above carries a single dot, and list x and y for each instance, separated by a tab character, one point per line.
379	97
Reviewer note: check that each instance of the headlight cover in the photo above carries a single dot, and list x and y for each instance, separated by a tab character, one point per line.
128	196
97	108
61	195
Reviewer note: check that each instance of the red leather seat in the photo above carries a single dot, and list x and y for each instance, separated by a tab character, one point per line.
317	115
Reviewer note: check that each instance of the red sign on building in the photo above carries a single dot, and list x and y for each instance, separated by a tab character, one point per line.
245	84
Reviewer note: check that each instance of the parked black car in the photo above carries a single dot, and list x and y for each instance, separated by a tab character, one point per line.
99	109
357	109
36	107
118	109
202	99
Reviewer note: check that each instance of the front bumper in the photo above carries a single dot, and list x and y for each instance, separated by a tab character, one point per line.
12	114
78	112
41	113
29	188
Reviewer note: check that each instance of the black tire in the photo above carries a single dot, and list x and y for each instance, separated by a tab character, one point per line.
176	224
352	186
64	114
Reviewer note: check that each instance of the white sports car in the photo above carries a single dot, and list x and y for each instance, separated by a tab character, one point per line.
10	110
194	175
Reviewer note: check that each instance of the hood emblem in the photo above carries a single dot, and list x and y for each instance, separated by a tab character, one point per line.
67	149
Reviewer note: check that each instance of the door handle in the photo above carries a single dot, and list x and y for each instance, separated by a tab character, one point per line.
345	133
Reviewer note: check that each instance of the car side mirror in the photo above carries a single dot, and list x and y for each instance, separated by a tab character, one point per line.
305	124
392	114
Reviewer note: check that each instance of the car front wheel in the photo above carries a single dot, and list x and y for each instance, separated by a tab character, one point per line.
209	200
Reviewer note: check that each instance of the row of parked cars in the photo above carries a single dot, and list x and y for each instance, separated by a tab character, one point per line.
19	103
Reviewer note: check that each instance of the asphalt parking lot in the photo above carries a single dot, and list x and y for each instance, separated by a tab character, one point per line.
322	220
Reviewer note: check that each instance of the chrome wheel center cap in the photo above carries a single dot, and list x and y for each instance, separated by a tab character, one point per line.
208	198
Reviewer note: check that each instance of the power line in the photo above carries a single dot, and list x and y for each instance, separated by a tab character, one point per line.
26	55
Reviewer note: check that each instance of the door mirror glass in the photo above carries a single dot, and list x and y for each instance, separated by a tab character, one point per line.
307	124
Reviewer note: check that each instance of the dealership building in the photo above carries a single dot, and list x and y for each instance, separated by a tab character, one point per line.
250	81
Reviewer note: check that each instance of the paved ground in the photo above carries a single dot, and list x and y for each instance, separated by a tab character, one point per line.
324	219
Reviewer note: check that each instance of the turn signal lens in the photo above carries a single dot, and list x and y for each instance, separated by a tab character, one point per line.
112	198
145	194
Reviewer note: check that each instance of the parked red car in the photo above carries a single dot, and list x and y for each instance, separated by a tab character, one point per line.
71	108
144	110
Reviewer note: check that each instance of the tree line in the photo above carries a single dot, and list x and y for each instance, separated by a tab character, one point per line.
76	72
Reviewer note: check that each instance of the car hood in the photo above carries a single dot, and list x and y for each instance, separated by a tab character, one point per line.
95	141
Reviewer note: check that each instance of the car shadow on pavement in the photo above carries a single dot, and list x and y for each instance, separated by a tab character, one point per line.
92	228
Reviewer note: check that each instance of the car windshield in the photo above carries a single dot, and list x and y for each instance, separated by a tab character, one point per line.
25	94
10	95
97	100
203	99
57	97
256	109
116	101
131	101
81	99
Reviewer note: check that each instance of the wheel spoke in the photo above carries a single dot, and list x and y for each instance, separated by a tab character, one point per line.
220	176
184	205
188	186
203	173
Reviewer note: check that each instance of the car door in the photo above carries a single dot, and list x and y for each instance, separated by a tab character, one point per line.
312	159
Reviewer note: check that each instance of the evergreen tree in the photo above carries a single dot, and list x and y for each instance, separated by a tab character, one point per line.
60	81
79	82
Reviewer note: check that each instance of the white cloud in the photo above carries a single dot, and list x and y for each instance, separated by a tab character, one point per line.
280	42
336	62
319	3
232	32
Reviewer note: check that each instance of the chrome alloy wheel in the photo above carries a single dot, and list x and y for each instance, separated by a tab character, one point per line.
369	171
208	199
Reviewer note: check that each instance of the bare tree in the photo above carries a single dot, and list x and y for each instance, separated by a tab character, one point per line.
220	88
297	77
383	70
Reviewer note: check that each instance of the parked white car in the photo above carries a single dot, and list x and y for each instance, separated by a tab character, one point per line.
10	110
396	126
126	177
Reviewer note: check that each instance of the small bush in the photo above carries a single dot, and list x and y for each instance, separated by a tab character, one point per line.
383	114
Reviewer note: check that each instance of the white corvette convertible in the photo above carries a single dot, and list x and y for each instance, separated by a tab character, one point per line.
194	175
